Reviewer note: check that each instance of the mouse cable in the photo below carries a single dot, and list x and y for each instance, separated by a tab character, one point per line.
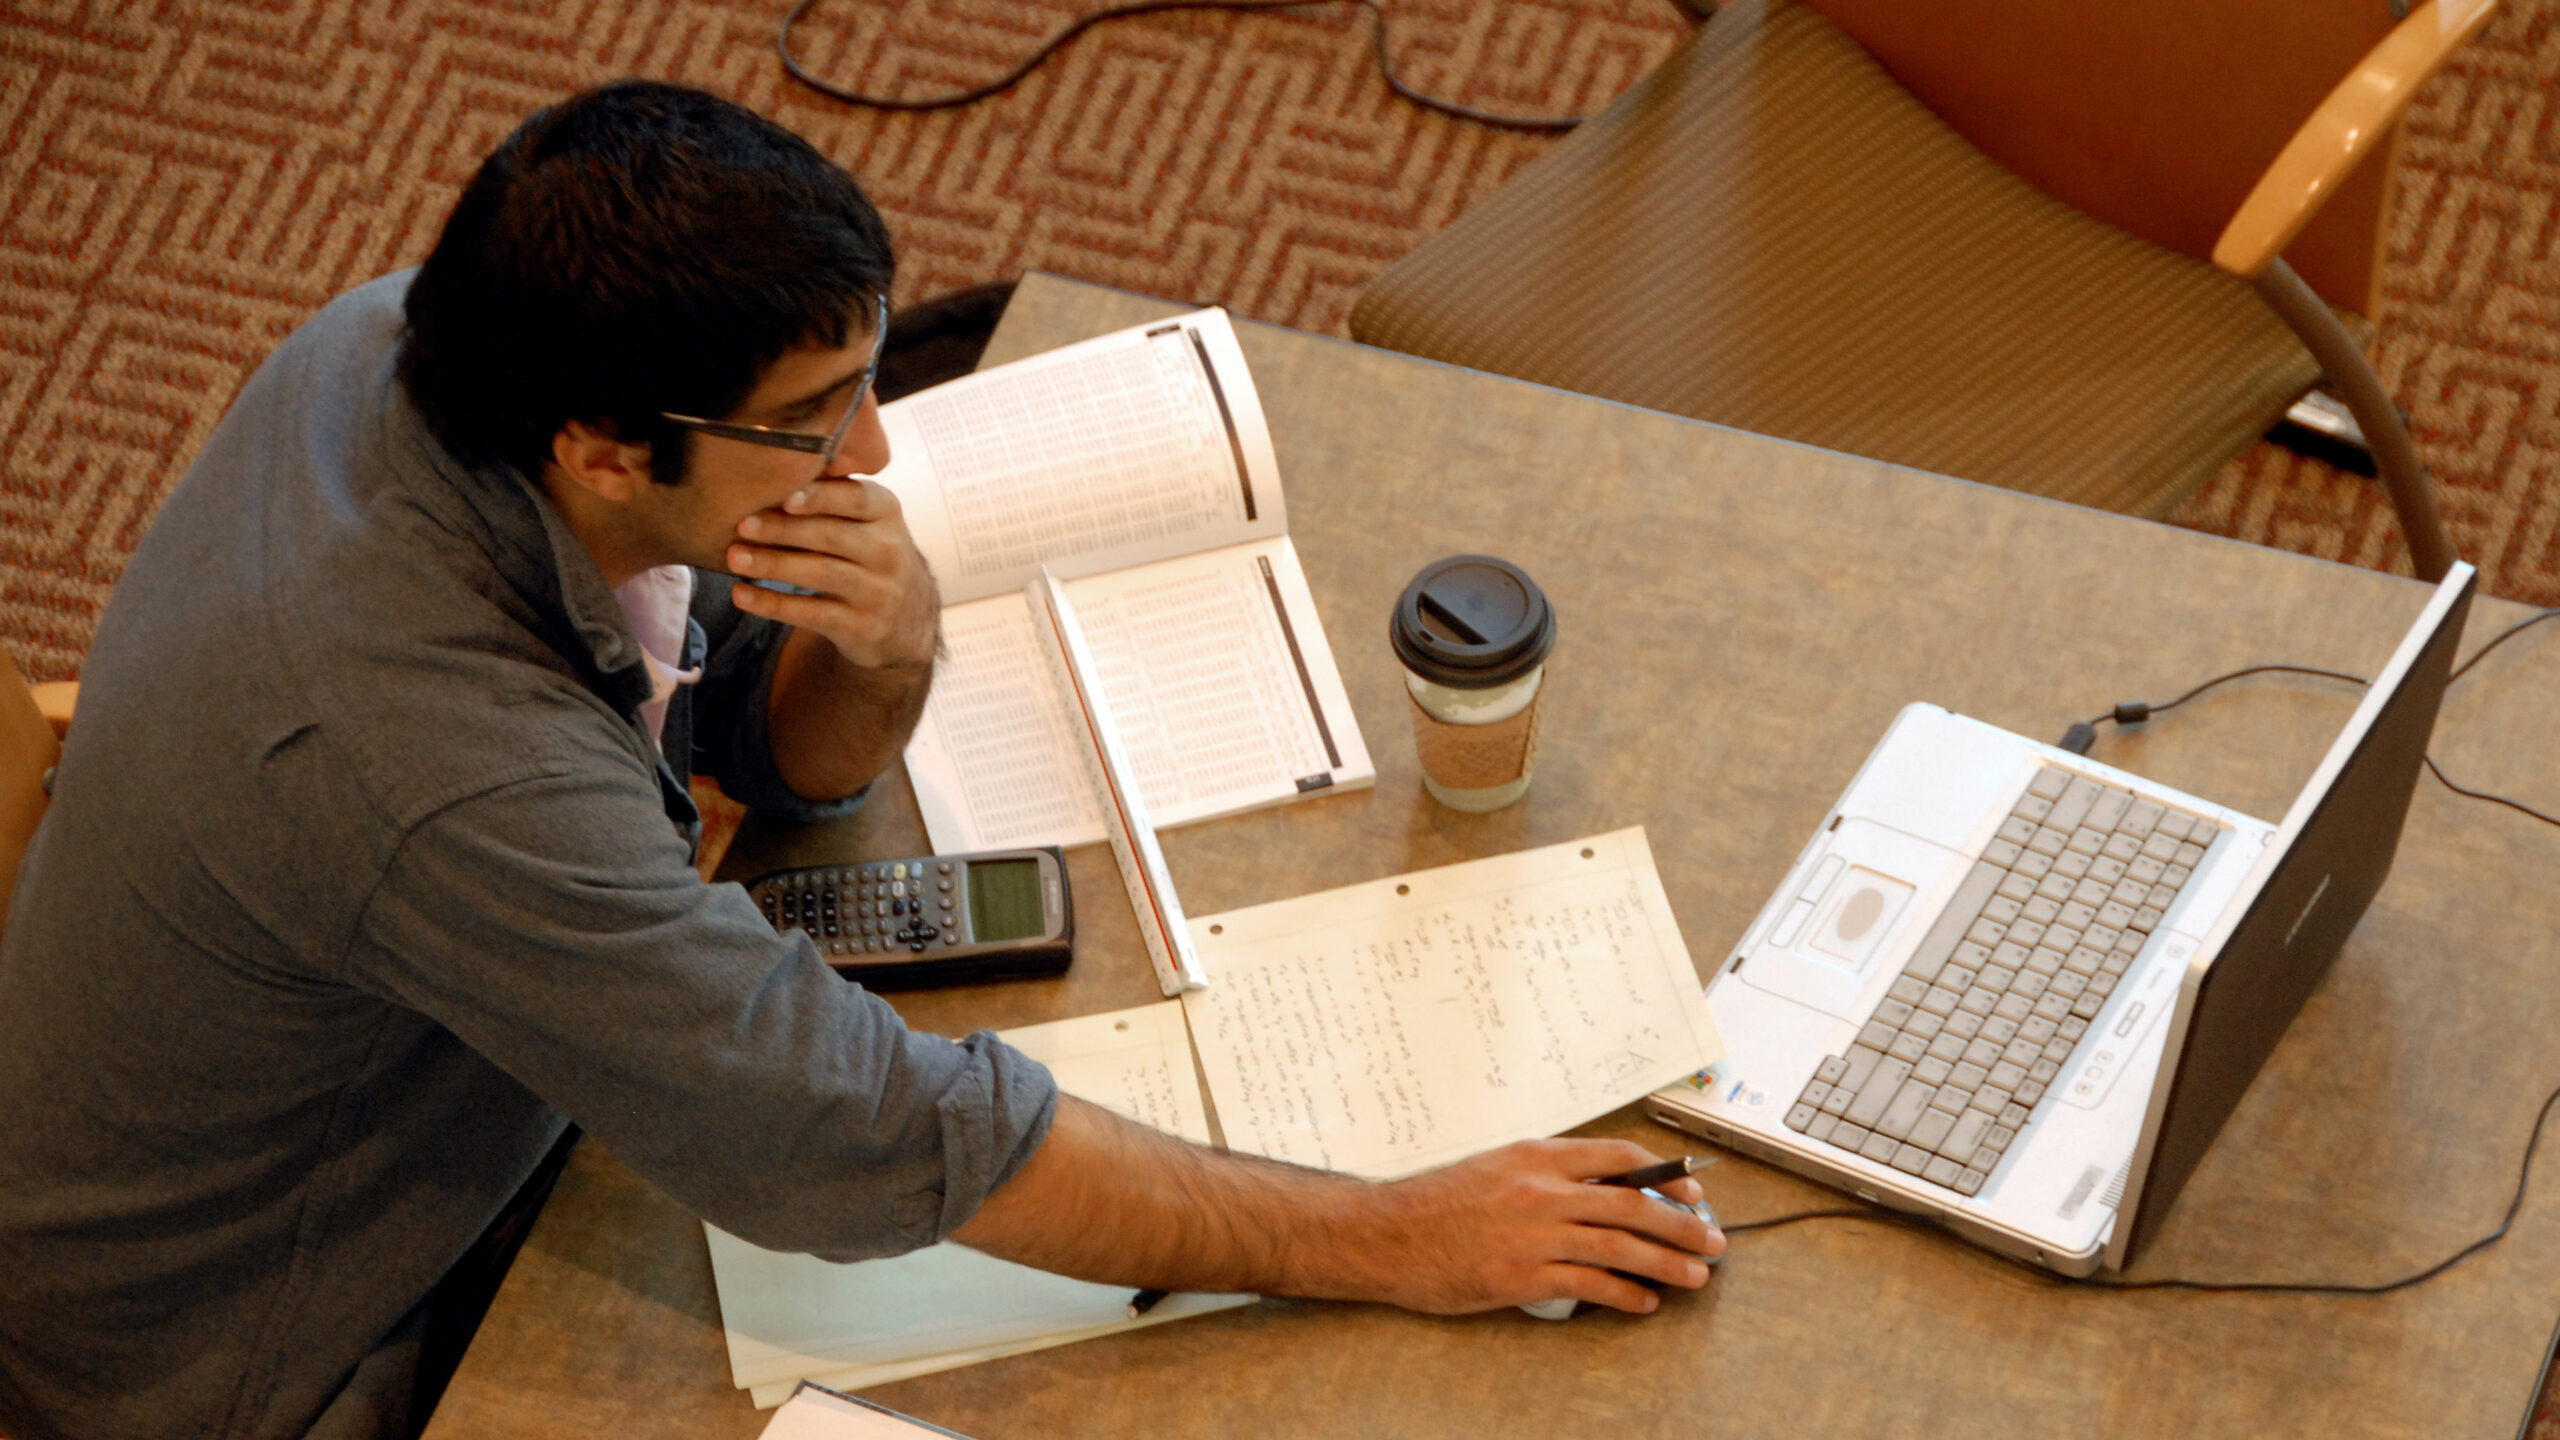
1378	41
2084	734
2506	1222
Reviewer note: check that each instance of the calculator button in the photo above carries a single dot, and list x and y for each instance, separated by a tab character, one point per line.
944	867
898	871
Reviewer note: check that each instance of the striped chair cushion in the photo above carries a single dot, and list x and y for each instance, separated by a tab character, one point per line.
1769	233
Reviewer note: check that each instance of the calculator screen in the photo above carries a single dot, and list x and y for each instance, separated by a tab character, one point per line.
1004	900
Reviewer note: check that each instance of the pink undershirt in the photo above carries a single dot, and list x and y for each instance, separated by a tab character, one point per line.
656	603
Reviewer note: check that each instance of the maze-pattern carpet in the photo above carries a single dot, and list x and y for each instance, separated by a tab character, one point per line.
183	181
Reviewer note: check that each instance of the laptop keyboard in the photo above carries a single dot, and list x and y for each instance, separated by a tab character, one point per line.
1955	1059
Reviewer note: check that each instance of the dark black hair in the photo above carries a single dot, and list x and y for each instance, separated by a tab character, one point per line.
636	248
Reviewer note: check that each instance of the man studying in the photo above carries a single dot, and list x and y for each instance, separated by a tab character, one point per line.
369	864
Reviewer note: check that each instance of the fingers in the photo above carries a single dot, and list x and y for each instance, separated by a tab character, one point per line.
844	538
821	529
1599	1159
1684	1190
1582	1282
862	568
850	497
1635	1255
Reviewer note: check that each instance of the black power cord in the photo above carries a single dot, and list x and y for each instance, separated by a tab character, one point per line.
1695	11
2078	740
2081	736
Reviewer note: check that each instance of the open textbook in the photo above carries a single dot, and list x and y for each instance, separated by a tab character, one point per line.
795	1317
1389	1027
1138	467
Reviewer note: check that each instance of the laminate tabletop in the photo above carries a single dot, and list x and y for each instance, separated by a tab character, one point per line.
1740	619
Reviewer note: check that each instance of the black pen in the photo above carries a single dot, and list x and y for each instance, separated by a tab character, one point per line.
1145	1300
1652	1175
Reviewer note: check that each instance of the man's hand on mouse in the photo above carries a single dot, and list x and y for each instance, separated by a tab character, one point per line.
846	538
1519	1225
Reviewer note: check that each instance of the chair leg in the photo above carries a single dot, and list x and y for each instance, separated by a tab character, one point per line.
2352	377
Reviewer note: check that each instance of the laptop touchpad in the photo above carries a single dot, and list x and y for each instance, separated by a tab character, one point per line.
1849	907
1862	910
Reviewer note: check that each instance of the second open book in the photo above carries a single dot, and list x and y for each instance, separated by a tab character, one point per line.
1138	467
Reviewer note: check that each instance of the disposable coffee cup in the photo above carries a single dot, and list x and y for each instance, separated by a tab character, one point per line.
1473	633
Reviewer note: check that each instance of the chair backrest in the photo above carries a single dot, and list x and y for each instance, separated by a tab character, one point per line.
28	749
2156	118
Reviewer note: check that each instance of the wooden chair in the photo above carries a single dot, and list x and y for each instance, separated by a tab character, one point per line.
2035	243
32	721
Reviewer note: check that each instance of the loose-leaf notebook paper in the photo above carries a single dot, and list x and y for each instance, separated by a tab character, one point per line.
1393	1026
795	1317
1136	466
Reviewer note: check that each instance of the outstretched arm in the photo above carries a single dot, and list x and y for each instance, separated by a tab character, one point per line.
1109	1200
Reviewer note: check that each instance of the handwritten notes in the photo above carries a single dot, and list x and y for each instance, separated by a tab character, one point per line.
1393	1026
1135	1062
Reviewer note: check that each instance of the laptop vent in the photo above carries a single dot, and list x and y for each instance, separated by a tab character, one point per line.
2115	1192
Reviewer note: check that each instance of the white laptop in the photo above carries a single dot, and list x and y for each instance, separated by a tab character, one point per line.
2018	991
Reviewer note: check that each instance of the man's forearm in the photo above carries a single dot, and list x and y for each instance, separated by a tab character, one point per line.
836	725
1109	1200
1117	1201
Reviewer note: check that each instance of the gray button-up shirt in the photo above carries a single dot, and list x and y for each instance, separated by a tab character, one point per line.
361	874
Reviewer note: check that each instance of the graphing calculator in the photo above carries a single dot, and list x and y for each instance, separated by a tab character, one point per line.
936	920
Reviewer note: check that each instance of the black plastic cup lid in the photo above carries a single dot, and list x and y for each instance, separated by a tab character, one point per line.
1472	622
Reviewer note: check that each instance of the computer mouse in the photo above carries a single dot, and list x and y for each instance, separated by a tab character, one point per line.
1565	1308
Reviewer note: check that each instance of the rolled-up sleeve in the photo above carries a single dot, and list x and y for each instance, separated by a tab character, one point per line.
555	926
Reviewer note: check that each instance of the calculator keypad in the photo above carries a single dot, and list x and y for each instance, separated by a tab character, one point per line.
870	909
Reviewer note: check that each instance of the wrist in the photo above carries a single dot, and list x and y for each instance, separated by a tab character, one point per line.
1340	1240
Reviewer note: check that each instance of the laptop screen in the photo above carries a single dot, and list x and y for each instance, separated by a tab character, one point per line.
2285	941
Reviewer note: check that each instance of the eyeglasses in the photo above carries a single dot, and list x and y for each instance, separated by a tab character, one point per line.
807	441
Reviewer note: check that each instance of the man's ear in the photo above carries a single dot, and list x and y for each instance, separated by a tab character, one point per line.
598	462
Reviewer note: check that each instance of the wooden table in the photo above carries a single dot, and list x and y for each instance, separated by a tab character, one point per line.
1740	618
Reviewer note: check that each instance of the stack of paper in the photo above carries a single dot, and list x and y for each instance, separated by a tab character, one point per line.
1378	1029
795	1317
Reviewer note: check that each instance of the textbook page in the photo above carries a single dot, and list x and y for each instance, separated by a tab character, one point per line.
1115	451
795	1317
1405	1023
1216	670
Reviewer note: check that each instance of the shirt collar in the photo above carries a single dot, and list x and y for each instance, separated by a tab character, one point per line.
538	556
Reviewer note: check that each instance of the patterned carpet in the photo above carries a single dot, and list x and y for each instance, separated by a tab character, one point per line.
182	183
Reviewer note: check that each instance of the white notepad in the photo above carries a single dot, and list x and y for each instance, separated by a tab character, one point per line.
1392	1026
795	1317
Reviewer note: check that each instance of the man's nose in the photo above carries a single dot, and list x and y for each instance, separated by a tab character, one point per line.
865	447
